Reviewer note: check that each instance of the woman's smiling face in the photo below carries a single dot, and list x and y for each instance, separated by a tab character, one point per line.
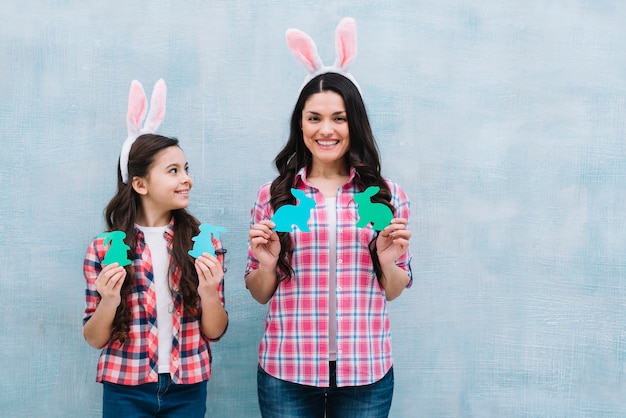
325	128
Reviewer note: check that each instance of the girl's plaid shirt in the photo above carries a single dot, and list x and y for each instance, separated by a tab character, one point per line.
294	346
135	362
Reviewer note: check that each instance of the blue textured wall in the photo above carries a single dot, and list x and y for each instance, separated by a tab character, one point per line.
504	121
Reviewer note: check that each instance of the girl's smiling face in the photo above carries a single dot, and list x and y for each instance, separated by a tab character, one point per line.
166	186
325	128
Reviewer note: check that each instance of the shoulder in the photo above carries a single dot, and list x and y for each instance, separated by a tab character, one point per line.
263	194
96	250
397	192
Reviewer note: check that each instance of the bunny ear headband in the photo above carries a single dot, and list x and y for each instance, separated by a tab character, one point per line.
303	48
137	109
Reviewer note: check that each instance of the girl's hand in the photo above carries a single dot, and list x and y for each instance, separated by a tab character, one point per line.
109	283
264	243
393	241
210	274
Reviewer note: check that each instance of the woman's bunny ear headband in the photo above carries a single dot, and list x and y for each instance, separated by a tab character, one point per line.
137	109
303	48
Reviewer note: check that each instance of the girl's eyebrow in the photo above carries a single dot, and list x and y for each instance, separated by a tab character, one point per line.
176	165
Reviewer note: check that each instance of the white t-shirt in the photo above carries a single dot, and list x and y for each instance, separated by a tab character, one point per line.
155	240
331	205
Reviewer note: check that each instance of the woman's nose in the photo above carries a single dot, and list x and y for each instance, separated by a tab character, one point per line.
327	128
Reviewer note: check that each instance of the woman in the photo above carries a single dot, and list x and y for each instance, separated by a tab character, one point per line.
326	348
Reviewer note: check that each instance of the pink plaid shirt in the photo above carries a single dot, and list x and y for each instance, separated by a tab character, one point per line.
136	361
294	346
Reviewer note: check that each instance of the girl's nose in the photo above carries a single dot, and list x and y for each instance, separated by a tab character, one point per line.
186	178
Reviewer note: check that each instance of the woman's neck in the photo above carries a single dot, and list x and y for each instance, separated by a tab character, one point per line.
328	179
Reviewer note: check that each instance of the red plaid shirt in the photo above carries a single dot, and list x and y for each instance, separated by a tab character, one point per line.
295	344
136	361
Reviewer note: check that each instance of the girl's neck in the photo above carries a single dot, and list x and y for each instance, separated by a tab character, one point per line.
153	219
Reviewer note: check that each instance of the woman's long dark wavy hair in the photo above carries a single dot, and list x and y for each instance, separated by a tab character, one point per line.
120	214
362	155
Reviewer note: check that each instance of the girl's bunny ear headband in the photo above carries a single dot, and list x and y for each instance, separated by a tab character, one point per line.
303	48
137	109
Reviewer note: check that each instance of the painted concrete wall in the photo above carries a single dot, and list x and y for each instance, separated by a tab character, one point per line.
503	120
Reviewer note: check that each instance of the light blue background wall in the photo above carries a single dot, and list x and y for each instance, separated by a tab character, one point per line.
503	120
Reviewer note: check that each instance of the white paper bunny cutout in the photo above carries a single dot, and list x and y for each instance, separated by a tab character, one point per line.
137	109
303	48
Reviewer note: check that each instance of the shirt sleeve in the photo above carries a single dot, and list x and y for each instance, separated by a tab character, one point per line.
91	268
260	210
401	202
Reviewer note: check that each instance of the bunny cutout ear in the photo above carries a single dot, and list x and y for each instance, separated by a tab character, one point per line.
304	50
137	109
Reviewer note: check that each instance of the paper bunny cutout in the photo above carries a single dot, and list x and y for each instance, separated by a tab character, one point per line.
118	250
303	48
377	213
137	109
288	215
204	240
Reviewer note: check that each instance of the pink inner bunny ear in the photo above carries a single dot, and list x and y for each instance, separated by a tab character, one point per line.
345	43
303	48
157	107
137	106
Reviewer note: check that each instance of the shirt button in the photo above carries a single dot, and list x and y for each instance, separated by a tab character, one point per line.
339	261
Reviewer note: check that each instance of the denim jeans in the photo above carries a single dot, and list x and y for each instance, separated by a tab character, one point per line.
160	399
282	399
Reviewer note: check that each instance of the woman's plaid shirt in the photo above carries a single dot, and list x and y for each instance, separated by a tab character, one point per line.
135	362
294	346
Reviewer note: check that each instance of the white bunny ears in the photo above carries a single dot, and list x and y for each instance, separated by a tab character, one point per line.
303	48
137	108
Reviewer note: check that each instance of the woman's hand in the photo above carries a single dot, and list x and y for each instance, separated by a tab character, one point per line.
265	246
391	244
264	243
109	284
393	241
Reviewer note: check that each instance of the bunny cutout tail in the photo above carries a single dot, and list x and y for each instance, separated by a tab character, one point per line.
304	50
137	109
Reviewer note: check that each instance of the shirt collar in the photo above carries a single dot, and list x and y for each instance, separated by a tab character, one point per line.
169	232
302	173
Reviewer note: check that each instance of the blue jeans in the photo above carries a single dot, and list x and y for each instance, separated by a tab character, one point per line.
282	399
160	399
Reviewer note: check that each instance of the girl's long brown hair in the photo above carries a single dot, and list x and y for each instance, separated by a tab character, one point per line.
363	156
120	214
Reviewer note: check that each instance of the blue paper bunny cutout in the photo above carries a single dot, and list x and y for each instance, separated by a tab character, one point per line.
288	215
203	242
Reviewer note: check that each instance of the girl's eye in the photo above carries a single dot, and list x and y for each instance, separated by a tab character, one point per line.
173	170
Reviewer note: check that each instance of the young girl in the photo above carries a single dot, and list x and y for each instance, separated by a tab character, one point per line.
154	318
326	349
